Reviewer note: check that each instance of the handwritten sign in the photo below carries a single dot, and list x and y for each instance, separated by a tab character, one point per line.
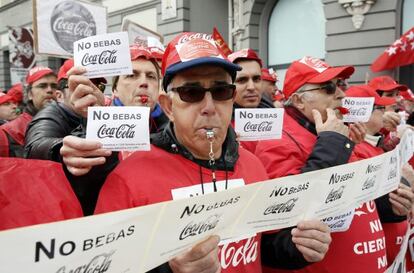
259	124
104	55
360	109
119	128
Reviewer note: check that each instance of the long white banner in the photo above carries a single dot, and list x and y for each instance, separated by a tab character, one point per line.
139	239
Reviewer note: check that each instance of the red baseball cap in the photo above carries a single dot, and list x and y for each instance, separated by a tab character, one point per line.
5	98
386	83
16	92
157	53
312	70
407	95
245	54
37	73
67	65
63	70
269	75
367	92
140	51
190	49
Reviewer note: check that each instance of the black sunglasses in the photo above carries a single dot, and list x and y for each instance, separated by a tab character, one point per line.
196	93
329	87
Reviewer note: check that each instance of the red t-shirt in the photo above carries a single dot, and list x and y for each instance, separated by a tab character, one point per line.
149	177
359	249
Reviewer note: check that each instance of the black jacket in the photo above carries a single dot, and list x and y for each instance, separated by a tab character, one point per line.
46	131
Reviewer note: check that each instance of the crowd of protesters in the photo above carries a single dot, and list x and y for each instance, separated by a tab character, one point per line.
189	99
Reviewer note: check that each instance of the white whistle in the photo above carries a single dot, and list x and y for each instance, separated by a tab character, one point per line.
210	134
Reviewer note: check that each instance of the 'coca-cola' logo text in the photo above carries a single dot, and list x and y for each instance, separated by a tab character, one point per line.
71	21
282	207
99	264
122	131
193	229
233	254
264	126
105	57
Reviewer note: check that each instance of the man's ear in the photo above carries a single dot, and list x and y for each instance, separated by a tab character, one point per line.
30	94
297	101
165	100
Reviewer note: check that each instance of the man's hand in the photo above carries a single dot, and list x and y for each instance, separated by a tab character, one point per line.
312	238
203	257
80	155
83	93
391	120
401	200
332	123
357	132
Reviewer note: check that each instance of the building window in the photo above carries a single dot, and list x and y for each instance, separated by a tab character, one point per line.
296	29
407	71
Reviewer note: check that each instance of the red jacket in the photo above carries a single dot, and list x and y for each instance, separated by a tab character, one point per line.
16	130
34	192
394	232
139	181
349	251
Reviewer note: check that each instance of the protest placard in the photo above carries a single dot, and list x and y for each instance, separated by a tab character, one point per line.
59	23
119	128
258	124
104	55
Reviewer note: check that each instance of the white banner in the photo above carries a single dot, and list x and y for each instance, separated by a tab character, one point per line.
258	124
119	128
138	239
60	23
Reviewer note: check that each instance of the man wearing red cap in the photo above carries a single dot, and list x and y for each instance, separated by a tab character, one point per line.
8	108
386	86
16	91
315	138
47	129
401	199
198	150
249	79
40	91
141	88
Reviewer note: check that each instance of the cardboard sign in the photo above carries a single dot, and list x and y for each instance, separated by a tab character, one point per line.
259	124
360	109
119	128
104	55
22	56
141	35
59	23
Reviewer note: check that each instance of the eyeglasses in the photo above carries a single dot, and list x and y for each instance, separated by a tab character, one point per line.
378	107
196	93
329	87
44	85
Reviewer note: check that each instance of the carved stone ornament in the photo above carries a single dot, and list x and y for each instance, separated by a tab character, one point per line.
357	8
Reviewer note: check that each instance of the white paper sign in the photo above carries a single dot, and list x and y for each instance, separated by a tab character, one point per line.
104	55
340	222
259	124
119	128
360	109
